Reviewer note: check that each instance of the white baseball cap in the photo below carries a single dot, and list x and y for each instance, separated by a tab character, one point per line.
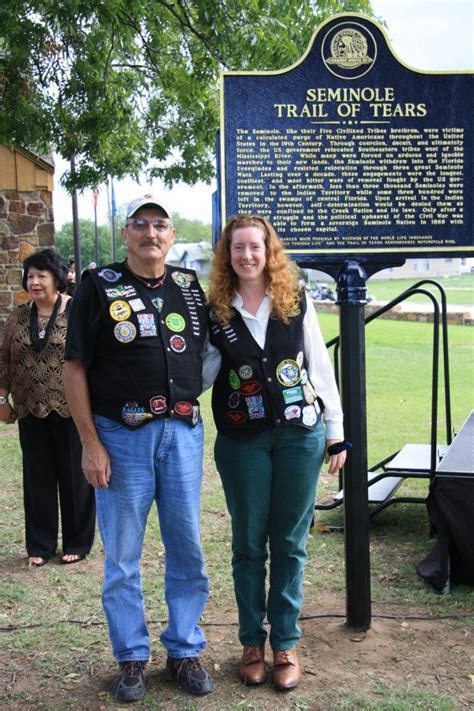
148	200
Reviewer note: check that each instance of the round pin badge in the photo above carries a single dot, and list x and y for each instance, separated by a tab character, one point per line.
120	310
304	376
175	322
125	331
109	275
177	343
299	358
288	372
245	372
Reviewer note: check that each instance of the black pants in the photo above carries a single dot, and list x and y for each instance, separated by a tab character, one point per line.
51	458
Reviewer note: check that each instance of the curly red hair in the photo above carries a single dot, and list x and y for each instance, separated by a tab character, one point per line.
280	272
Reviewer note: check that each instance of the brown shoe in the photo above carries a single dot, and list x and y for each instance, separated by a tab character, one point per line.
286	669
253	669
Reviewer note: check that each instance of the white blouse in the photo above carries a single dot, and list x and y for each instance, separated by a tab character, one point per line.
320	370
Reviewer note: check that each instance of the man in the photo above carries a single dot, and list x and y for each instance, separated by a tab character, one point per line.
136	344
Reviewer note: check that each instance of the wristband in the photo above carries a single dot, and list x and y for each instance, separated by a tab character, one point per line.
339	447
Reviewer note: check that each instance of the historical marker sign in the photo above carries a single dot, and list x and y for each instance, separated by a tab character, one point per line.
350	152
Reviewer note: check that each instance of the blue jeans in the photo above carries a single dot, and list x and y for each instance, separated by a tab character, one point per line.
162	462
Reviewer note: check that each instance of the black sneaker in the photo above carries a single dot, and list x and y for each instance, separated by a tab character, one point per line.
129	684
190	675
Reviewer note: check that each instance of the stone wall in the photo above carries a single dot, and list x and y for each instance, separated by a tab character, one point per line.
26	224
455	318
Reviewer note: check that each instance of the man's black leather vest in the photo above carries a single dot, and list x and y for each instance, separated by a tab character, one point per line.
258	389
147	359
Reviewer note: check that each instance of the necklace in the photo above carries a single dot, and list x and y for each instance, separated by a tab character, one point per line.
150	283
40	337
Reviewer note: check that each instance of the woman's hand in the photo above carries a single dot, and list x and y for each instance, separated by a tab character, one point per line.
7	414
336	461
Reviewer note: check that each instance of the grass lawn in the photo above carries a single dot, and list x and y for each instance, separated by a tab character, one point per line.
418	654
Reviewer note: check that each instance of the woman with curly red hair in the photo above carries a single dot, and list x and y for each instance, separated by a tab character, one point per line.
274	384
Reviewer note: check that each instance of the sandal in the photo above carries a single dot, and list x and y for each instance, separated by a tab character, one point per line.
37	562
76	559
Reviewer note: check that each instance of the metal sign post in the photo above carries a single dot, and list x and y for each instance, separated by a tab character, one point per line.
351	290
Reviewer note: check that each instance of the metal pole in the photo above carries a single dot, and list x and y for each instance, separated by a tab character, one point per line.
112	212
96	235
76	229
352	291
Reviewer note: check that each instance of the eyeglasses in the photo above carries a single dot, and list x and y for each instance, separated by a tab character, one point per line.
143	225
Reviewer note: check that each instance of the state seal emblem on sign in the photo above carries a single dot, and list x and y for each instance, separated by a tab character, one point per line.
349	50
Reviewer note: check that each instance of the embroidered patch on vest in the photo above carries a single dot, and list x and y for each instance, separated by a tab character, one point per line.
147	325
120	310
255	407
121	291
157	303
109	275
133	414
158	404
125	331
234	399
250	387
137	304
309	415
292	412
245	372
183	408
292	394
234	380
237	417
288	372
309	394
182	280
299	358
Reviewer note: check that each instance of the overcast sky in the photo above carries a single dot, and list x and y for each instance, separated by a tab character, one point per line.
425	34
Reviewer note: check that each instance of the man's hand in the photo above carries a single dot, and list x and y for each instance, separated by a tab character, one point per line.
336	461
96	464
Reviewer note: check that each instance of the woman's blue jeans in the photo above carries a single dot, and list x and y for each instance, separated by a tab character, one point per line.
270	487
162	462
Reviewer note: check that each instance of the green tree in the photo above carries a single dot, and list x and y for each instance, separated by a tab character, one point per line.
186	231
191	230
125	85
65	243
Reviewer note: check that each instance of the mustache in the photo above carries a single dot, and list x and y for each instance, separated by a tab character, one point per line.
148	242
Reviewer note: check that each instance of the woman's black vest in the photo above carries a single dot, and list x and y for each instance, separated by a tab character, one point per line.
147	358
258	389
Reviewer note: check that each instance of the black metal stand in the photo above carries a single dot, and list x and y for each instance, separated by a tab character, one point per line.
352	291
351	277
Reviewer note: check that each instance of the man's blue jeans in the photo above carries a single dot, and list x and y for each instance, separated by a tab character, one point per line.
162	462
